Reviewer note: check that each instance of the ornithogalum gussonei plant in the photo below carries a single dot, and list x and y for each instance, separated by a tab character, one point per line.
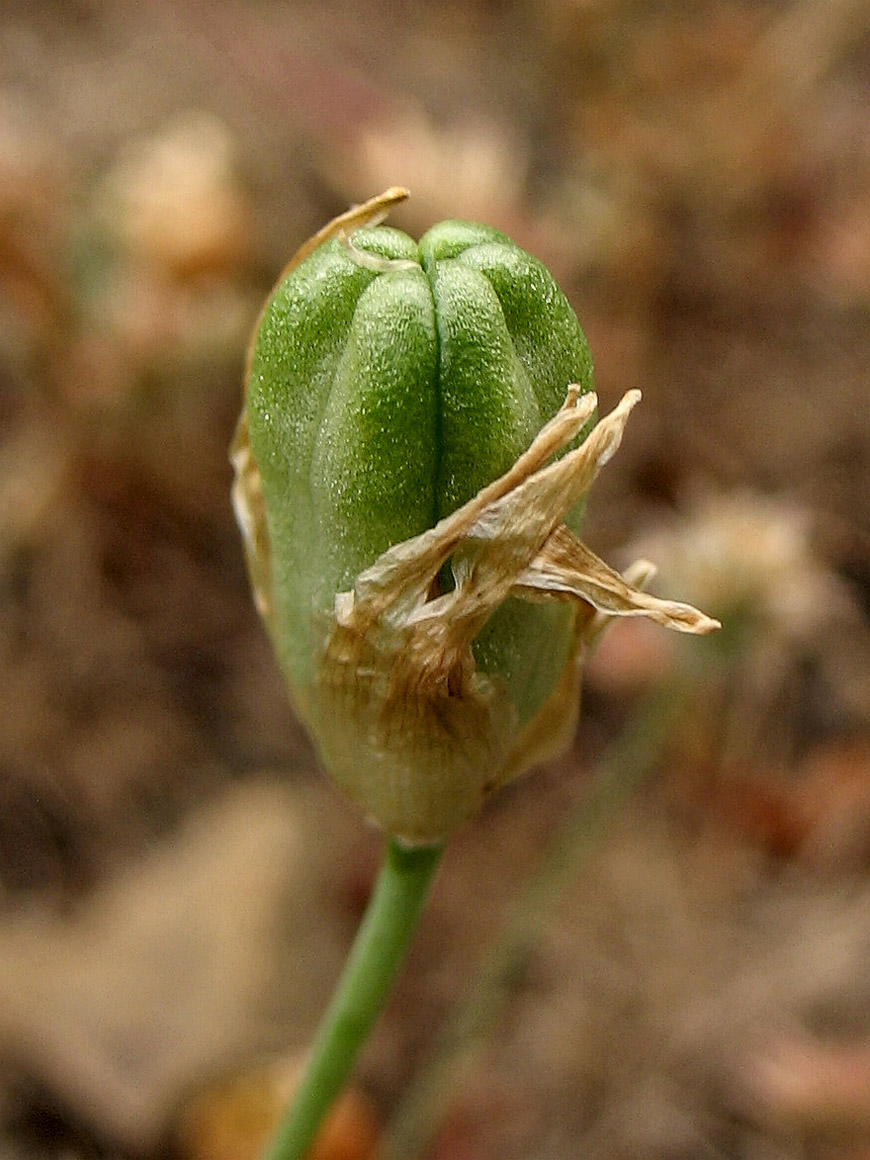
418	438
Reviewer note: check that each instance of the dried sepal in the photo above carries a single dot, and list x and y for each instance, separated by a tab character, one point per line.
249	508
367	213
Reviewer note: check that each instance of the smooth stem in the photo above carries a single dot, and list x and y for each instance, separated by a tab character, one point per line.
372	964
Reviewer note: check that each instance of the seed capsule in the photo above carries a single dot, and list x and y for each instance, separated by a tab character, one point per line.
412	547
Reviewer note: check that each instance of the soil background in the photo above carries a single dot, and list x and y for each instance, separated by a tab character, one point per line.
177	881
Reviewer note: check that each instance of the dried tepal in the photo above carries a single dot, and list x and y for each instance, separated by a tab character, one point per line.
411	468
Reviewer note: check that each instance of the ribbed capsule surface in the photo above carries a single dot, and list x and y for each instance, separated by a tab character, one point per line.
389	382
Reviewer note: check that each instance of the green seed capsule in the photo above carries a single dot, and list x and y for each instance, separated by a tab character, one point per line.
383	396
390	383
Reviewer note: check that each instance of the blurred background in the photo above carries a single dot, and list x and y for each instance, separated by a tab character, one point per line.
689	973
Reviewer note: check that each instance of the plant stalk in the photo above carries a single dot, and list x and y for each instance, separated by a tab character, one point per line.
371	967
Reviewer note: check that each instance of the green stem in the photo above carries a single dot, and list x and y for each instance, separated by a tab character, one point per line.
373	963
